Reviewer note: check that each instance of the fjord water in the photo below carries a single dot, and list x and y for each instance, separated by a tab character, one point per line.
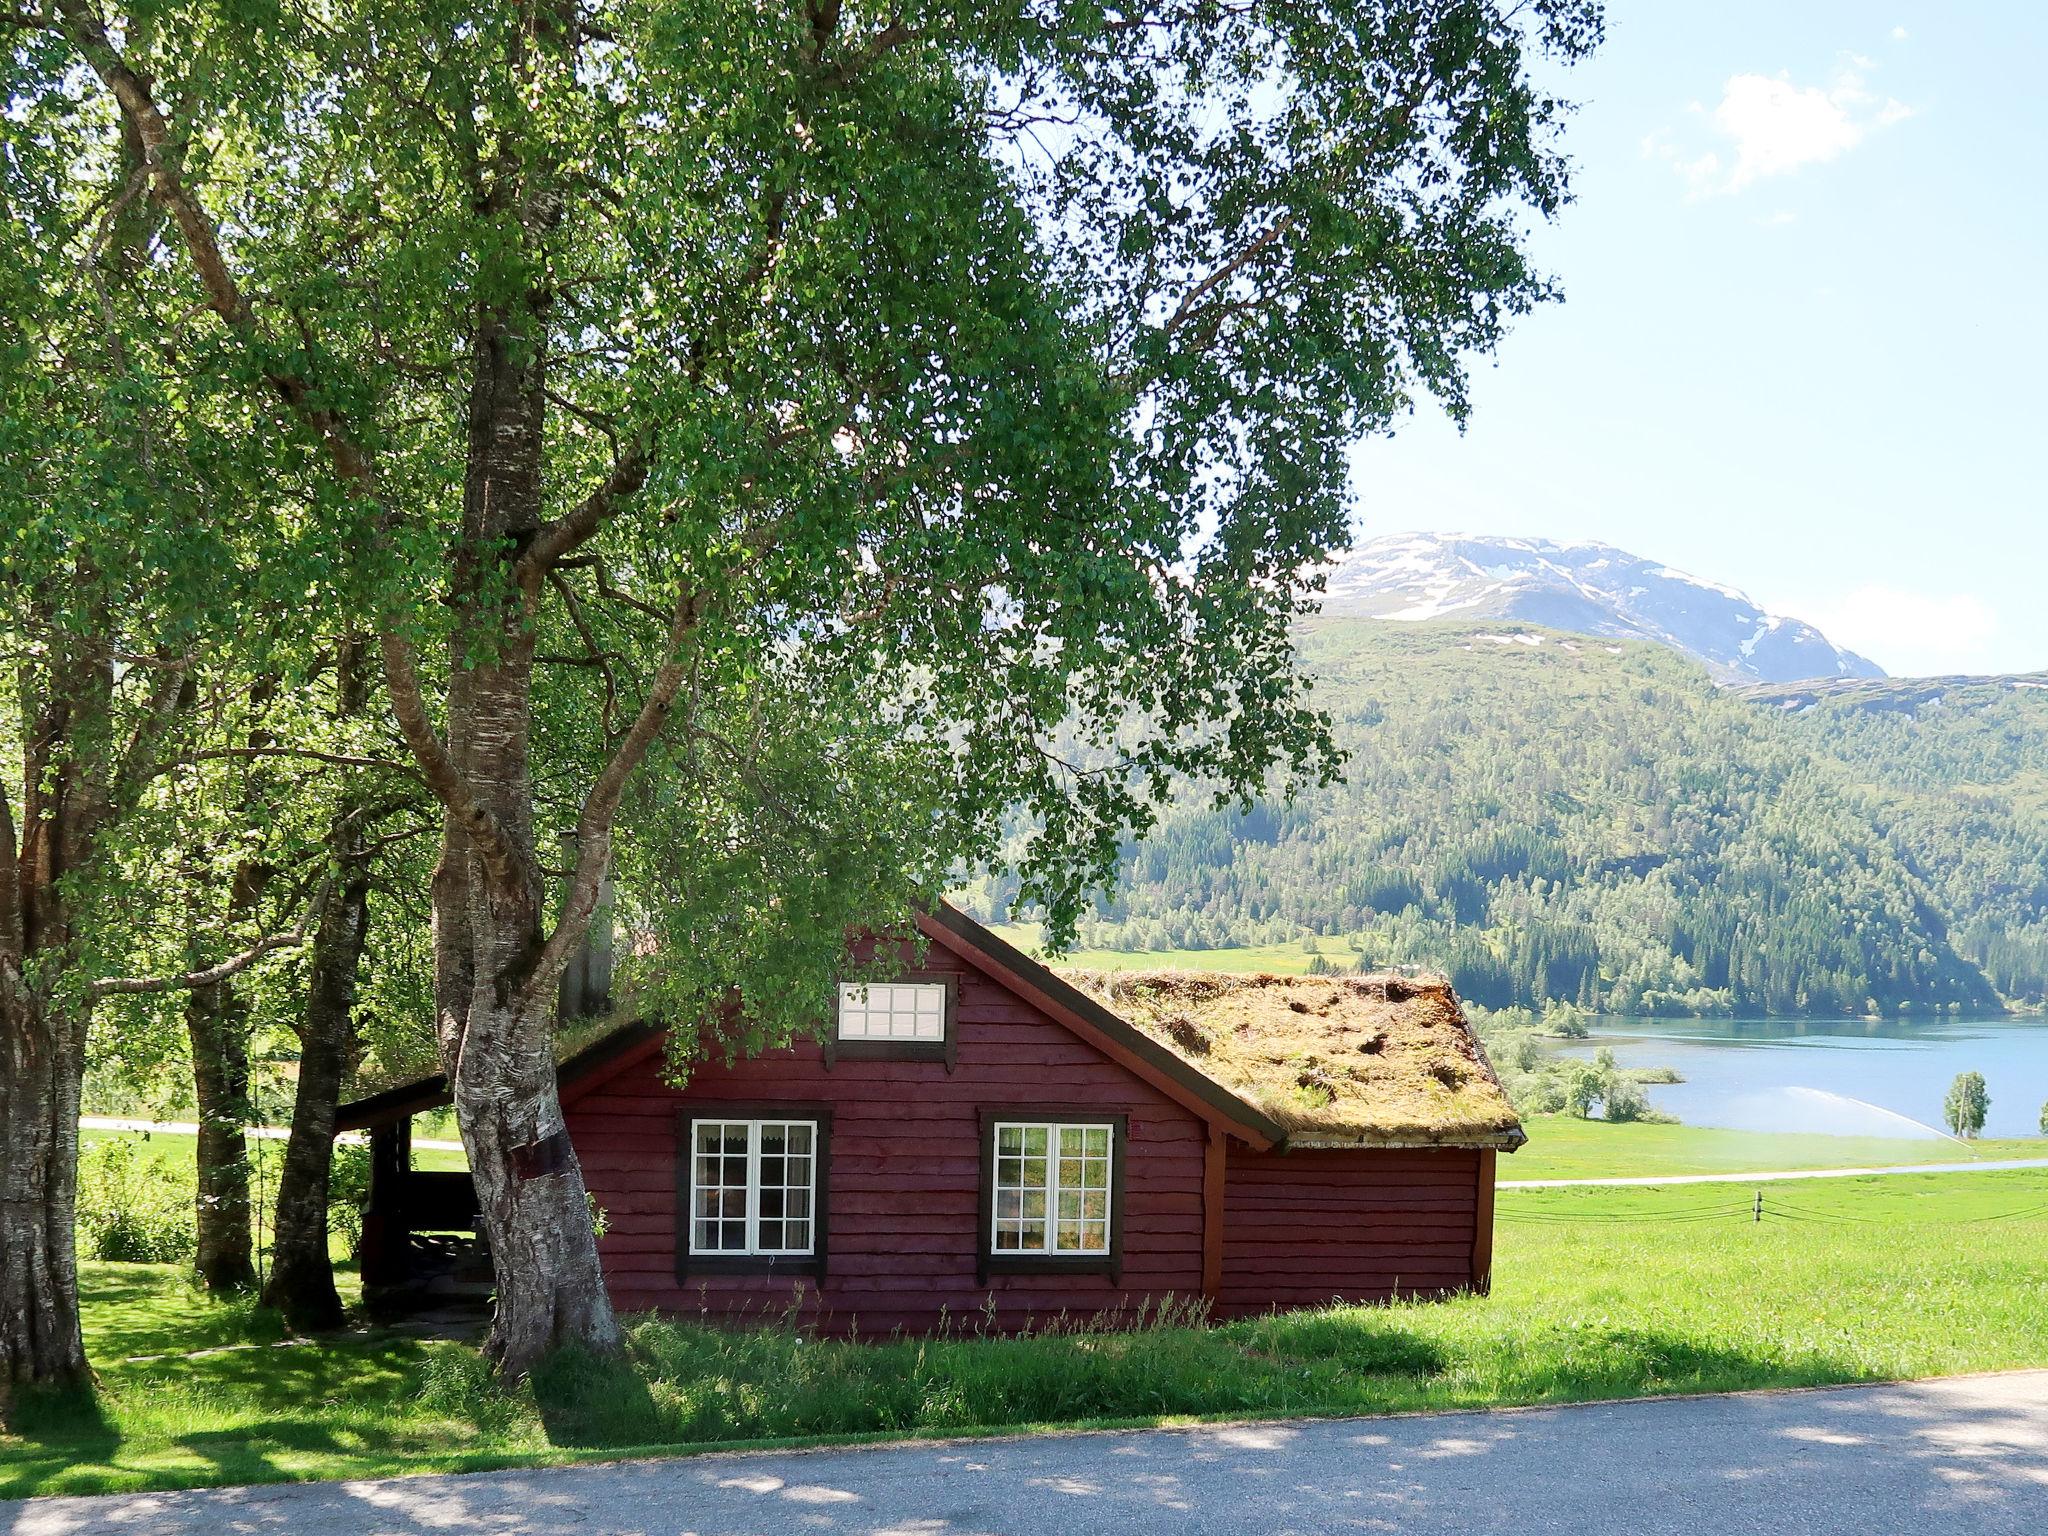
1844	1077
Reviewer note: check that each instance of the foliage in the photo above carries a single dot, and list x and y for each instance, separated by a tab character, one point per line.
1967	1104
128	1210
348	1192
1567	1020
1575	822
1597	1293
139	1186
1540	1083
902	428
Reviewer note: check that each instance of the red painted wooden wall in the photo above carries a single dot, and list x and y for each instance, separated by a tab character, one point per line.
905	1176
1302	1228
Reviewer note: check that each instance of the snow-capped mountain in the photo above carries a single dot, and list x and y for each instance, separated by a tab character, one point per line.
1590	589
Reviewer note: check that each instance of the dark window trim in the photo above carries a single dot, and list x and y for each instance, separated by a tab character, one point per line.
690	1264
987	1262
946	1050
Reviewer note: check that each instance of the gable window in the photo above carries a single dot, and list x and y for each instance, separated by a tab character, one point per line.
1052	1186
754	1190
893	1010
907	1019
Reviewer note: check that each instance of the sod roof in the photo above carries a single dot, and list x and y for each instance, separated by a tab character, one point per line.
1378	1060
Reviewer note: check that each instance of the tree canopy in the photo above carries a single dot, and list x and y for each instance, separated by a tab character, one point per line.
777	436
962	371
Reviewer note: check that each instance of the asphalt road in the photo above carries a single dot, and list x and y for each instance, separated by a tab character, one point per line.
1938	1458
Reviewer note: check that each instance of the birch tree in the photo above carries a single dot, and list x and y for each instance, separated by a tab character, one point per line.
841	407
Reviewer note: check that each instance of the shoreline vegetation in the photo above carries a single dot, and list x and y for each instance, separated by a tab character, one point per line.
1600	1293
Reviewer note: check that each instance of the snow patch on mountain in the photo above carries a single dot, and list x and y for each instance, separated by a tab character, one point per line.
1586	588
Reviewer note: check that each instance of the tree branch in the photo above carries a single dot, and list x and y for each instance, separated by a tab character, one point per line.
1223	274
338	759
88	34
582	521
601	805
598	658
437	767
111	986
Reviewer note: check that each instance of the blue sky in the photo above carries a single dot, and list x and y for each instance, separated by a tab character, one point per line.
1803	345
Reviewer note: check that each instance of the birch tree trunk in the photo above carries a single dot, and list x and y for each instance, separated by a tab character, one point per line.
495	1022
301	1281
42	1061
217	1027
42	1034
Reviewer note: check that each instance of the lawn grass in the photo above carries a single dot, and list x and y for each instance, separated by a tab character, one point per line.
1598	1293
180	1153
1565	1147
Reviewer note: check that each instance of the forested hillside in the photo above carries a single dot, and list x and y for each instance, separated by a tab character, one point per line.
1555	817
1958	768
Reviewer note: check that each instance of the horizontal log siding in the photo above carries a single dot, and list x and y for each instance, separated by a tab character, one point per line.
1308	1227
905	1176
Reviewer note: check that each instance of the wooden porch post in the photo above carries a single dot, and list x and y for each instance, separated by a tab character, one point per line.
385	1256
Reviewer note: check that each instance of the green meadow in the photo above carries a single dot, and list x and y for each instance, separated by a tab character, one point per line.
1566	1147
1599	1293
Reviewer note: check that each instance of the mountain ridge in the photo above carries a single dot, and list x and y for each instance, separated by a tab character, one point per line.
1587	588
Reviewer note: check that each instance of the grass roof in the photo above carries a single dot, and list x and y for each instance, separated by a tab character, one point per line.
1369	1060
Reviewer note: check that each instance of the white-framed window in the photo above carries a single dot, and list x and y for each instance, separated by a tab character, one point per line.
894	1011
1052	1188
753	1188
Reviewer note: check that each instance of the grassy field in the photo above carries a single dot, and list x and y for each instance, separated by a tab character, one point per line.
1565	1147
1598	1293
1288	959
180	1154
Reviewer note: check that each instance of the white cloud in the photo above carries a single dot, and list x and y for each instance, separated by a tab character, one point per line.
1772	126
1900	34
1910	633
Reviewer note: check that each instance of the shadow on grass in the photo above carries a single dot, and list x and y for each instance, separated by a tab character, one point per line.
1584	1363
47	1429
148	1309
588	1400
1357	1339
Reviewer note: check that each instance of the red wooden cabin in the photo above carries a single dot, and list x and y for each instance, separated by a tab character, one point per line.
979	1138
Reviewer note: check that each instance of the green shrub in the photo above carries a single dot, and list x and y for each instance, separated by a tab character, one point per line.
132	1208
348	1191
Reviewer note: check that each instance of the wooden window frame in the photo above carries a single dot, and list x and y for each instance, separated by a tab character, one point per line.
945	1050
690	1265
987	1261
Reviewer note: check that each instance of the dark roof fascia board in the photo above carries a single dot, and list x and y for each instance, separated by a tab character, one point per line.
615	1048
393	1104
